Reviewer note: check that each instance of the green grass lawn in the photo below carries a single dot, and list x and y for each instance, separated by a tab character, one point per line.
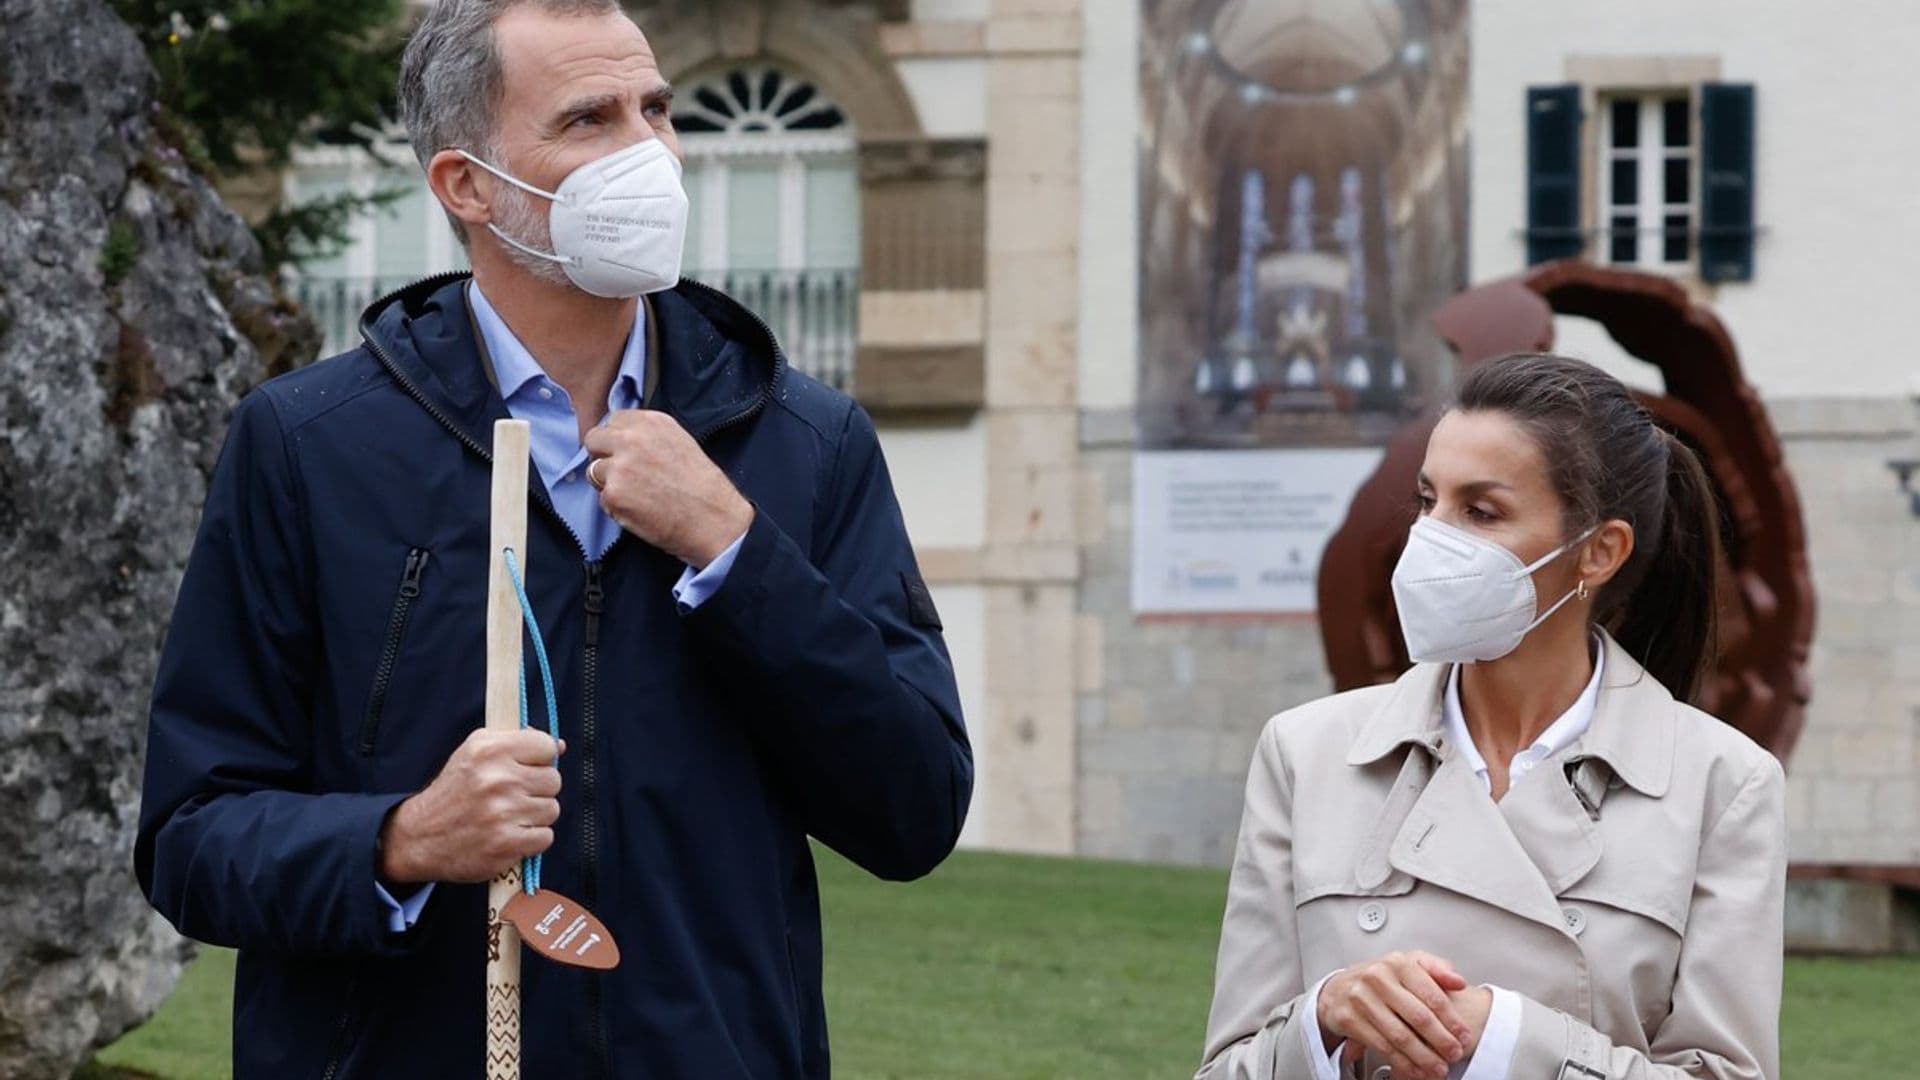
1007	967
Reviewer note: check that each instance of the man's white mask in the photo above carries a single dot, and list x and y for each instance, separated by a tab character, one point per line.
618	223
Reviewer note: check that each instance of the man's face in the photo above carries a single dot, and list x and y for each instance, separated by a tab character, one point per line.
575	88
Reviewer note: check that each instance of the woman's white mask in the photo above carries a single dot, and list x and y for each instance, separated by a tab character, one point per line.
1463	599
618	223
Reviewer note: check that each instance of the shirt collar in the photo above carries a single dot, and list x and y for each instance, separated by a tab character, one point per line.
1559	735
1635	725
516	370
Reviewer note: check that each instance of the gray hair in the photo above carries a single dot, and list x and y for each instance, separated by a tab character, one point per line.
450	79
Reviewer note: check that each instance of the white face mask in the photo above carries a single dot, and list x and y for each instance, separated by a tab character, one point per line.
618	223
1463	599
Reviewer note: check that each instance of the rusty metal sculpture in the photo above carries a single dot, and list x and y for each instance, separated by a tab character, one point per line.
1767	605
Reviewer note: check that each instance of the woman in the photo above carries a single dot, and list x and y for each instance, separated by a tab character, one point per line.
1529	858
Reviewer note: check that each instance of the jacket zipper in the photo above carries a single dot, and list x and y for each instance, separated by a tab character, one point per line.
390	651
589	789
340	1042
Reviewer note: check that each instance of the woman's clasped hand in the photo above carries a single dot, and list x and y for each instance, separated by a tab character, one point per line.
1410	1008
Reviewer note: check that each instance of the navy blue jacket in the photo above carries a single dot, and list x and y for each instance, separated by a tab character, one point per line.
327	654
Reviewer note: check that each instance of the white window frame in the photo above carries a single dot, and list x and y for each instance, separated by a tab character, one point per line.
755	132
1650	155
717	154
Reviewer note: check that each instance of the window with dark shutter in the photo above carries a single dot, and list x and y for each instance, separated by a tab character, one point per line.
1726	182
1647	162
1553	173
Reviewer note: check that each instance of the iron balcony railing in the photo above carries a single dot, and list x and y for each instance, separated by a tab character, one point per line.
813	313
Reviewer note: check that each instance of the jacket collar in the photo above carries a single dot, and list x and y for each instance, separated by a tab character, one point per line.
716	361
1633	727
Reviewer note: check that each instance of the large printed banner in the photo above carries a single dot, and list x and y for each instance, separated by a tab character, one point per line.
1240	531
1303	200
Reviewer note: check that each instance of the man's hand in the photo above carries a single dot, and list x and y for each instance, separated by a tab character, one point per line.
494	803
658	484
1401	1008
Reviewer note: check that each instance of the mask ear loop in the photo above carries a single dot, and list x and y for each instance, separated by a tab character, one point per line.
1530	569
1579	590
514	180
535	252
531	190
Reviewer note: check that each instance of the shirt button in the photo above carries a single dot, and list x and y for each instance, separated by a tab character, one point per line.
546	393
1576	920
570	478
1373	916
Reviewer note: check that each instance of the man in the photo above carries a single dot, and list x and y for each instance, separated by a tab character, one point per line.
745	652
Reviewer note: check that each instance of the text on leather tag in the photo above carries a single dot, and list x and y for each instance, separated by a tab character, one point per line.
560	930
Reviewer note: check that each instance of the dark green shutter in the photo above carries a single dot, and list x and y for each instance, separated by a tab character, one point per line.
1553	173
1726	182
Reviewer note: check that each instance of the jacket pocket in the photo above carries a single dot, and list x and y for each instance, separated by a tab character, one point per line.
390	648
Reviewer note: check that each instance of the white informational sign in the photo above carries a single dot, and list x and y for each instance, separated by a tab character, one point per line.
1238	531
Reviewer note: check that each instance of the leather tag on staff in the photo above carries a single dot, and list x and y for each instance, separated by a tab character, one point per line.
555	927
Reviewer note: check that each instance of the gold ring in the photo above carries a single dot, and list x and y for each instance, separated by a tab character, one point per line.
594	477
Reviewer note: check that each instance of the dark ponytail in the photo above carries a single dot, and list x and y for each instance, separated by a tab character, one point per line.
1608	459
1670	622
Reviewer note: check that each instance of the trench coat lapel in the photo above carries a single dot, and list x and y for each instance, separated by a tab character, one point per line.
1635	726
1551	826
1439	825
1631	739
1455	837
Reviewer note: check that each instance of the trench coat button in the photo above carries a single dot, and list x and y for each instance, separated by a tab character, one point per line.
1373	916
1576	920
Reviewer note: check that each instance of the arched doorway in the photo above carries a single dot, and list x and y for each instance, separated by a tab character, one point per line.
772	171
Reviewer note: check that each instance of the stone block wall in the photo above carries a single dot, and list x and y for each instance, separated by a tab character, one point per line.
1853	784
1167	731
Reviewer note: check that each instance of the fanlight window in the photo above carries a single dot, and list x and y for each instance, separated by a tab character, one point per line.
756	100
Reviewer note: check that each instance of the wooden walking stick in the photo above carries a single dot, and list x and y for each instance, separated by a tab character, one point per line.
511	440
518	909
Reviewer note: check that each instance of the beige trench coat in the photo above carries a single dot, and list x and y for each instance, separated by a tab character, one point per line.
1644	933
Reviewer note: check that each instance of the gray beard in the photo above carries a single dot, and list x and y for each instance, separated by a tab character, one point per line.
516	215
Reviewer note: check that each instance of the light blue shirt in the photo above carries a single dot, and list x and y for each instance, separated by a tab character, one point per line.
561	460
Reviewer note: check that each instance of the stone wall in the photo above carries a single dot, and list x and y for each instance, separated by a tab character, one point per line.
1853	792
132	317
1169	710
1027	736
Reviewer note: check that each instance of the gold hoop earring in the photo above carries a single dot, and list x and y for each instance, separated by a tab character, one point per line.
1582	590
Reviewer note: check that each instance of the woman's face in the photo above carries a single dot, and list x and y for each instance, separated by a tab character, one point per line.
1484	475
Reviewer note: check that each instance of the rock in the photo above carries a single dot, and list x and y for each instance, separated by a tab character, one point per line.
132	317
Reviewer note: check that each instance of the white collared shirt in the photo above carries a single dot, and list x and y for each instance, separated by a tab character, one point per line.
1562	733
1493	1057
